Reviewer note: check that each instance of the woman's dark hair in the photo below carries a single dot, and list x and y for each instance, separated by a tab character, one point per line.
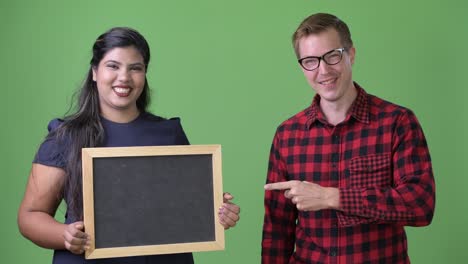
83	128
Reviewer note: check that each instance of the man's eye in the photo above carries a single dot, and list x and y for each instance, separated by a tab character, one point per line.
310	62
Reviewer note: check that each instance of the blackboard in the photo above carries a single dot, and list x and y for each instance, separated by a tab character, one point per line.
152	200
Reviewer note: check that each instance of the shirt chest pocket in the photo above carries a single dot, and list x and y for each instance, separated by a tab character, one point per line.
370	171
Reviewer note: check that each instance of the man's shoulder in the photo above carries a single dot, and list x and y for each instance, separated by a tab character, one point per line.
383	108
294	122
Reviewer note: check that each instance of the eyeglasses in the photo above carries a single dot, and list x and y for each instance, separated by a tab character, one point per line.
331	58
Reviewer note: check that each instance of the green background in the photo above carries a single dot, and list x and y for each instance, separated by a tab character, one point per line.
227	68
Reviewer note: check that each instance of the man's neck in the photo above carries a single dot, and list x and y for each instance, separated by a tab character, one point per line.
336	111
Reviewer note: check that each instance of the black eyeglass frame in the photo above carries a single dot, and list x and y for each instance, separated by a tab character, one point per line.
341	50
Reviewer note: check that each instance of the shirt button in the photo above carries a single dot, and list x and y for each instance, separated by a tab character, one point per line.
336	139
333	253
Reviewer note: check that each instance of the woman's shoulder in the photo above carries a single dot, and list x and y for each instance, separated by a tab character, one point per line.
53	148
155	118
166	128
54	124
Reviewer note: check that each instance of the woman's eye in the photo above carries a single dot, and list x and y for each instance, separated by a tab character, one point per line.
137	68
112	66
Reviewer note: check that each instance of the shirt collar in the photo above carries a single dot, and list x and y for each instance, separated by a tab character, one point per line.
359	109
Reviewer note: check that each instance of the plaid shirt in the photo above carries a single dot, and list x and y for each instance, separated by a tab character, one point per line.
379	160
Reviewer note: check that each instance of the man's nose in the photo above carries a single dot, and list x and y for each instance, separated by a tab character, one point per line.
323	67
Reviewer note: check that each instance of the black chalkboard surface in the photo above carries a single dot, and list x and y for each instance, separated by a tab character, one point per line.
152	200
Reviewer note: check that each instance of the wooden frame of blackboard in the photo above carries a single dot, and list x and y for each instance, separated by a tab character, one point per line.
88	157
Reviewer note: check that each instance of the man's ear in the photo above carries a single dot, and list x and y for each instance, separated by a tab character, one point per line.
352	54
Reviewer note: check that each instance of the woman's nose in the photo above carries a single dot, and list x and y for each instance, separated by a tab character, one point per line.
124	75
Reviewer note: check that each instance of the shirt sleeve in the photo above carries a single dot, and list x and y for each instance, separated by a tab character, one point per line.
280	214
411	198
181	137
51	152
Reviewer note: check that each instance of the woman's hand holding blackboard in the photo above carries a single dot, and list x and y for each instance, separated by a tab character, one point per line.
228	212
76	240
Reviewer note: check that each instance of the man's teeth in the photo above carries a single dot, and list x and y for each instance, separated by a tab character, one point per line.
328	81
122	90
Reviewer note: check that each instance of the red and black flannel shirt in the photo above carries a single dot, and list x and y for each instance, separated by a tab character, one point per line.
378	158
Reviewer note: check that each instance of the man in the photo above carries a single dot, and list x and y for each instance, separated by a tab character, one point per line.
347	173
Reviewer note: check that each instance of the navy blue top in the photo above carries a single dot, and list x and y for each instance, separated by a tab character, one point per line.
146	130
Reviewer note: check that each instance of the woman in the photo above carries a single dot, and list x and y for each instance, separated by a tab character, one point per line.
112	112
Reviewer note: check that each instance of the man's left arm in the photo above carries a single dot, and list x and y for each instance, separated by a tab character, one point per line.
411	198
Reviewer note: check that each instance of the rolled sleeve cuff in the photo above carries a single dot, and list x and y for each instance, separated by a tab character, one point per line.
352	208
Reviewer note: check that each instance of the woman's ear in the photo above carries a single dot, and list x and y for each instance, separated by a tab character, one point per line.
94	72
